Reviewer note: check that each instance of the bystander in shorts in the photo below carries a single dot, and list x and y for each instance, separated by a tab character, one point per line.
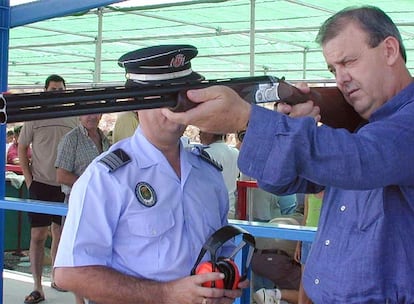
277	266
44	192
273	260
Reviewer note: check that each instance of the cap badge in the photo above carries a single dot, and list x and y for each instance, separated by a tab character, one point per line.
145	194
177	61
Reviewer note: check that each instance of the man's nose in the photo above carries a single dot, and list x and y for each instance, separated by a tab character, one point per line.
342	76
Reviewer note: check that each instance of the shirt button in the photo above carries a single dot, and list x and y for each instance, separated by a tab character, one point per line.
154	232
327	242
316	281
343	208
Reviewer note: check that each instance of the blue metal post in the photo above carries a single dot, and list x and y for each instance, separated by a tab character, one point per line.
4	58
46	9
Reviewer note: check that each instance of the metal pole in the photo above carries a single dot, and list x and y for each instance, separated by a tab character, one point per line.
305	59
98	48
252	35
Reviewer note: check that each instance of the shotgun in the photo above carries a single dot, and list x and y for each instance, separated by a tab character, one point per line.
335	111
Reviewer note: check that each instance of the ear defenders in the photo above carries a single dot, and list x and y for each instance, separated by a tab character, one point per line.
225	265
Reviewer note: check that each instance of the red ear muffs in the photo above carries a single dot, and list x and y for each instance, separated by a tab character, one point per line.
207	267
231	273
227	267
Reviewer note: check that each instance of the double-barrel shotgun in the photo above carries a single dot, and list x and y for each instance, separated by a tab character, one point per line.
335	111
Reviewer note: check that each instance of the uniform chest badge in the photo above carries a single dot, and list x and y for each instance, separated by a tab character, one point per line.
145	194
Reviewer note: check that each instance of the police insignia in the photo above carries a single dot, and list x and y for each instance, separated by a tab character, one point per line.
177	61
115	160
145	194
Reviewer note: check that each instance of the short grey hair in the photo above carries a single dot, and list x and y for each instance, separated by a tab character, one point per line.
375	22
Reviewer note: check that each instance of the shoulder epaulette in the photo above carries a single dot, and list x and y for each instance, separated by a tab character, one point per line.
199	151
115	159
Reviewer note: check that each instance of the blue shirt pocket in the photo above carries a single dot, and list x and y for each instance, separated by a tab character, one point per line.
151	224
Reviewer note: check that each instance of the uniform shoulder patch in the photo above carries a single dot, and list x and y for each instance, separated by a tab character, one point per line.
115	159
200	152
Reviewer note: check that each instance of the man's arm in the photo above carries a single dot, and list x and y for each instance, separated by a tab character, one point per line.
25	164
107	286
222	110
65	177
215	106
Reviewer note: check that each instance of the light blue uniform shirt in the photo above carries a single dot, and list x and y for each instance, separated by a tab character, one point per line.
107	224
364	247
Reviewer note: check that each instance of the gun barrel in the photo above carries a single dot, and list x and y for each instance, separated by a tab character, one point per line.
44	105
39	112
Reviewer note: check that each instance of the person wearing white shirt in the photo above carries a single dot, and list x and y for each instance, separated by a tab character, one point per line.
227	157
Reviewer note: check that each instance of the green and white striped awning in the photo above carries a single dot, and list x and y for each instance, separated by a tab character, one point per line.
235	38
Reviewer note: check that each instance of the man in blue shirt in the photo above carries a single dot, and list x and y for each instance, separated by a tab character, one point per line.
363	249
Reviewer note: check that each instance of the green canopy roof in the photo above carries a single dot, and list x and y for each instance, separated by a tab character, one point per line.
235	38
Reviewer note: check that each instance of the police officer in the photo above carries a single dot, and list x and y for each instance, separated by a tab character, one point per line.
141	212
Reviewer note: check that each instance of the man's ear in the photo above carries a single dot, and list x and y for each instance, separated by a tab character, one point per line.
391	49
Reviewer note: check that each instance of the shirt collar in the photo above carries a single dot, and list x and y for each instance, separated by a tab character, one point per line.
404	97
83	130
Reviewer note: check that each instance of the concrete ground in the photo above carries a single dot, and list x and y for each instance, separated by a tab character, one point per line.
18	281
17	285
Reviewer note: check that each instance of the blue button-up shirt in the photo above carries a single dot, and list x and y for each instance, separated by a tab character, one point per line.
363	251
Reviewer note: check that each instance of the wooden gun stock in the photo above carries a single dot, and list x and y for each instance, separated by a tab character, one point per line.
335	111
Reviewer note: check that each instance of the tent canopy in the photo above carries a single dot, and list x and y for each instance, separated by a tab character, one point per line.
235	38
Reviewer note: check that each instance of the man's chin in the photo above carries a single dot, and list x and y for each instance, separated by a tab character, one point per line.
362	111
